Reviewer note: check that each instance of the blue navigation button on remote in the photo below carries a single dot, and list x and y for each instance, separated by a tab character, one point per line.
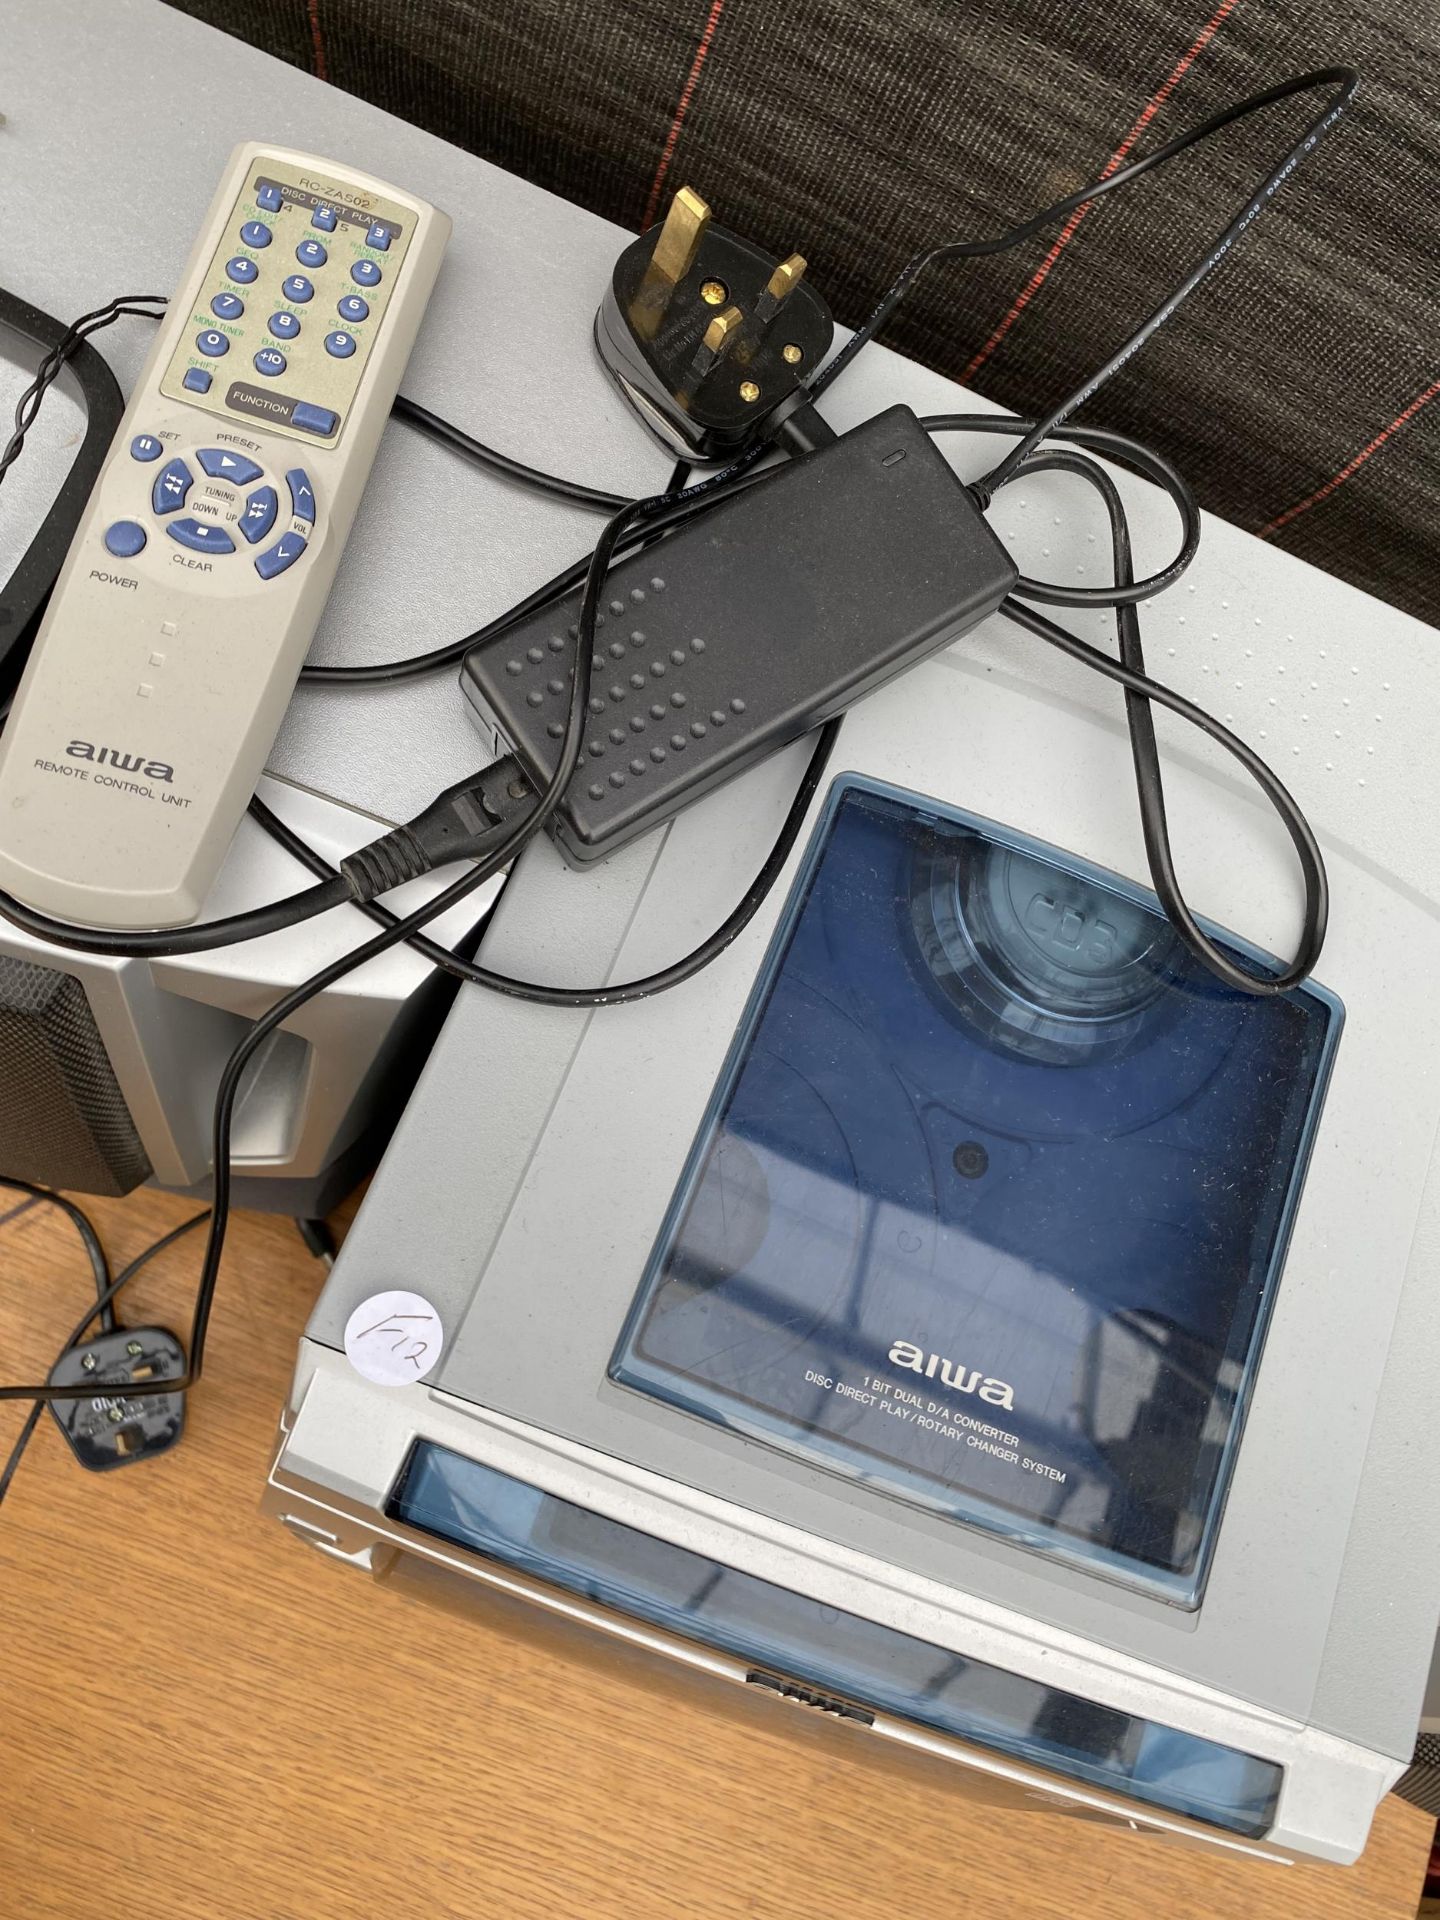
324	219
310	253
201	536
125	539
313	419
339	345
298	289
221	464
353	308
241	269
302	494
379	238
267	198
259	515
213	342
270	361
227	306
284	326
365	273
285	552
255	233
145	447
197	380
172	483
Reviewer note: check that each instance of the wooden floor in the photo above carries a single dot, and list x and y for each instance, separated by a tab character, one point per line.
200	1718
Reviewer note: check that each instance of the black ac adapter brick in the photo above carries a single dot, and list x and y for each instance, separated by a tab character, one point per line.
744	629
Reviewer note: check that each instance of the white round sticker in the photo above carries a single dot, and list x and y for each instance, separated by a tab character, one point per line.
393	1338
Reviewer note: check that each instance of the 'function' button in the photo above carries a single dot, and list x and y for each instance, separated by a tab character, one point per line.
241	269
353	308
172	484
340	345
255	233
145	447
270	361
213	343
298	289
268	198
125	539
312	419
324	219
365	273
379	238
201	536
284	326
310	253
220	464
227	306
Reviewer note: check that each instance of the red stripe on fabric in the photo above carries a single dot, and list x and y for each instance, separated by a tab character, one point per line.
1351	466
317	39
1117	159
687	93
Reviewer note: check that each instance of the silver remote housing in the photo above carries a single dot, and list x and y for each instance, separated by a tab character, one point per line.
192	589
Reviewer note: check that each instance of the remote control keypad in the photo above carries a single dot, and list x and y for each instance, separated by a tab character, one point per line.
301	267
238	500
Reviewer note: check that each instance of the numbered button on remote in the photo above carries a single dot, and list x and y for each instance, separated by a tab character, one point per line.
213	342
267	198
302	494
340	345
310	253
201	536
285	552
379	238
284	326
353	308
242	270
365	273
220	464
270	361
259	515
324	219
255	233
227	306
298	289
145	447
125	539
172	485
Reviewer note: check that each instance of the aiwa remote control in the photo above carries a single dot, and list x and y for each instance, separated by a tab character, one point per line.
189	596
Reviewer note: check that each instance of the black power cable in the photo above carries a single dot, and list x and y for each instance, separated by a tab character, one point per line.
1140	690
83	1225
1342	82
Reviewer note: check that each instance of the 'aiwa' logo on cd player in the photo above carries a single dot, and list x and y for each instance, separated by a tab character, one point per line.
904	1353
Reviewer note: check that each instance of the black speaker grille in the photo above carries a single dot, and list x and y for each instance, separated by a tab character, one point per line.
63	1118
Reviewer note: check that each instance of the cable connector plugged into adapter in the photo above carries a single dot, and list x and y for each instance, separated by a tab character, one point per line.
745	628
711	339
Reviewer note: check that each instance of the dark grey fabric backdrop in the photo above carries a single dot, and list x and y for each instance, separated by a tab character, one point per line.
1296	389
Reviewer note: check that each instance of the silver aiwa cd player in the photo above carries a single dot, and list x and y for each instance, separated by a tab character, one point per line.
954	1309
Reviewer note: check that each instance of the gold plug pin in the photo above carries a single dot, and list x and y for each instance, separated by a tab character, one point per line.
681	235
778	289
720	336
673	257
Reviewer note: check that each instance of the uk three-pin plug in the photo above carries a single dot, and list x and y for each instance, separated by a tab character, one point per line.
711	339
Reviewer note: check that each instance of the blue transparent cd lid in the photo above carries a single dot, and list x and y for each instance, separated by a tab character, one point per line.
990	1205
